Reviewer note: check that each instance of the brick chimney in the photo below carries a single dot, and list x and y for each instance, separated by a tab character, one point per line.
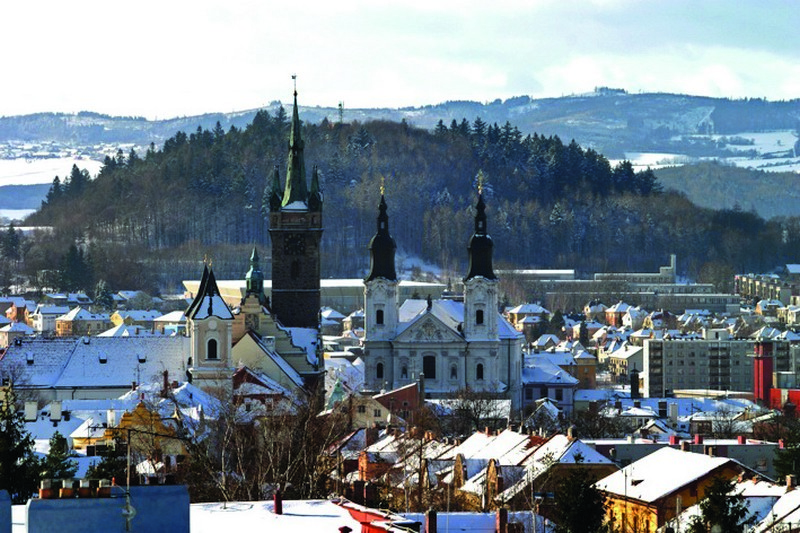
430	521
501	521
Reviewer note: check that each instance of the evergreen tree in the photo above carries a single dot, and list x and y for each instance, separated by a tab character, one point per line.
102	296
579	506
19	467
59	464
556	323
721	507
113	465
55	192
75	272
10	245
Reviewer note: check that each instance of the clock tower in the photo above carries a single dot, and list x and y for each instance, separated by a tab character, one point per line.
295	228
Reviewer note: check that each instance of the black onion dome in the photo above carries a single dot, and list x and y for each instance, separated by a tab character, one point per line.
382	248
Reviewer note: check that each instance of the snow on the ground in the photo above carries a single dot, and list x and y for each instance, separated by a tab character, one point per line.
32	171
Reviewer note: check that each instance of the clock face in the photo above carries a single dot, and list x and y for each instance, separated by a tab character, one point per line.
294	244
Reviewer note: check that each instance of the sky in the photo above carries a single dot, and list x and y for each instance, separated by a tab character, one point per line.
168	58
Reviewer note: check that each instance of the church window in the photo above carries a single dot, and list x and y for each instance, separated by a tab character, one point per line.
211	349
453	372
404	372
479	372
379	371
479	317
295	270
429	366
379	317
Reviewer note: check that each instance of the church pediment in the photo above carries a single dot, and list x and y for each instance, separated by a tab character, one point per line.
428	328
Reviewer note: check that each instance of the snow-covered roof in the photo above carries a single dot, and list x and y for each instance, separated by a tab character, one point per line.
305	338
79	313
139	315
173	317
528	309
17	327
541	370
660	473
125	331
450	313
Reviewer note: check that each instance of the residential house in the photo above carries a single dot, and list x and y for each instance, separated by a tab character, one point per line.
644	495
43	318
135	317
13	331
79	321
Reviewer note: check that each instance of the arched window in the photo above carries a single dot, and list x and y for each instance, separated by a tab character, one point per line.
453	372
404	372
379	371
479	372
479	316
429	366
211	349
379	317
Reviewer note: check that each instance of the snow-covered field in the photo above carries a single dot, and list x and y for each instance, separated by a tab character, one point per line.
775	151
33	171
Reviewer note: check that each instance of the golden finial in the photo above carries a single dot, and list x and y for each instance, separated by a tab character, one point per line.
480	182
205	259
383	185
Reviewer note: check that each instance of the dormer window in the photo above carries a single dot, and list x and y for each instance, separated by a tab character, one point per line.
103	359
142	358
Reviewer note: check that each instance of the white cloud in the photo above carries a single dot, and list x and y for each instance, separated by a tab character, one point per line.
180	57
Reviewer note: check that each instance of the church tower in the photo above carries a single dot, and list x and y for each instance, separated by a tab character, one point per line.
295	228
380	285
210	324
480	284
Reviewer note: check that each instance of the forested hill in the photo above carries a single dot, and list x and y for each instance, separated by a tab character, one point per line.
610	120
550	204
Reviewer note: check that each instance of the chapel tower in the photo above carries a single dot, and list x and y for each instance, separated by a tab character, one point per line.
380	285
480	284
295	228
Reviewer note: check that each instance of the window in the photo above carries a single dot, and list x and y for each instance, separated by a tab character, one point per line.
376	413
528	393
453	372
295	270
362	409
559	395
379	371
479	372
429	366
404	372
379	317
479	317
211	349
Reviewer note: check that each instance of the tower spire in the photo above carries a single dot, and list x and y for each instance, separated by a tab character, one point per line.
295	190
254	279
382	246
275	198
480	244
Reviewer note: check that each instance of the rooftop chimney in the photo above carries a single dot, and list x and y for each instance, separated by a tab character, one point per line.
501	520
430	521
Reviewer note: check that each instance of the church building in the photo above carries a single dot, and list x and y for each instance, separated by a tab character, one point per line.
454	345
278	339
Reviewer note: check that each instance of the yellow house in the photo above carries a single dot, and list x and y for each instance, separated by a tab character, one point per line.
79	321
644	495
